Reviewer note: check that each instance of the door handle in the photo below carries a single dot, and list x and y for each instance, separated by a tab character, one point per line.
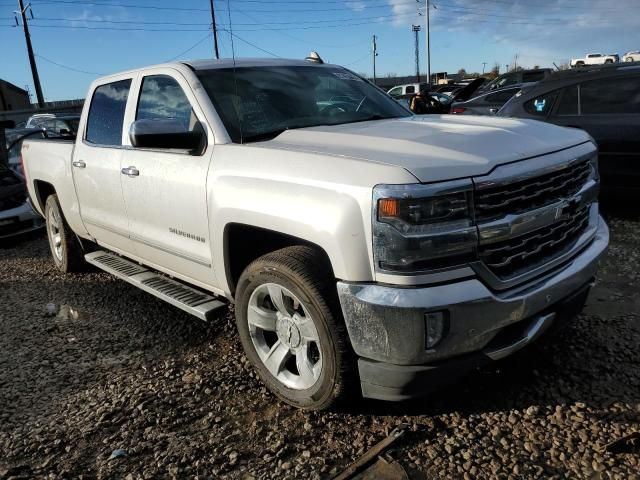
493	110
79	164
130	171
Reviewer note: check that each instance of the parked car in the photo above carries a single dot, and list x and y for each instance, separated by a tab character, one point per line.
516	78
633	56
594	59
408	89
14	138
16	214
486	103
605	102
60	124
440	103
367	247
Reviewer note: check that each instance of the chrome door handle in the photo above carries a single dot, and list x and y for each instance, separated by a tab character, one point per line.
493	110
79	164
130	171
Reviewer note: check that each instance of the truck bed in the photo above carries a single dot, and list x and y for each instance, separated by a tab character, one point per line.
49	161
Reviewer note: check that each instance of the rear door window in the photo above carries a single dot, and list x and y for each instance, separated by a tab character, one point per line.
568	103
106	114
410	89
610	96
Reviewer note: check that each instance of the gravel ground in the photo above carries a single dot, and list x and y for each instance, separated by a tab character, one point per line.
122	370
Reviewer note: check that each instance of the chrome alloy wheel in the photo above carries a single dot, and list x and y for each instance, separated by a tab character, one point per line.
55	236
284	336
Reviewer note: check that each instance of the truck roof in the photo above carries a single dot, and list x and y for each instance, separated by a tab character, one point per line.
209	64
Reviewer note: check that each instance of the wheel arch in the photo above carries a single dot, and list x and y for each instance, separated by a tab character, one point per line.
43	190
244	243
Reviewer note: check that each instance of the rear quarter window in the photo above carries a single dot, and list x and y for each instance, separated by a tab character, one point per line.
541	105
106	113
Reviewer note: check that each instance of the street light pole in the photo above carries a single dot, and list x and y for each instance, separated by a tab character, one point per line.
428	38
416	29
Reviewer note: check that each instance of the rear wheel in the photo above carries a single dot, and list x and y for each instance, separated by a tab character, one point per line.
291	328
608	61
65	248
628	59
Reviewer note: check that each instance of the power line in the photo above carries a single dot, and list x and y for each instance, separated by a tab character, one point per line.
68	67
190	48
233	35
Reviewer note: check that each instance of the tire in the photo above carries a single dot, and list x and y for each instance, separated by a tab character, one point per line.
65	248
302	355
628	59
608	61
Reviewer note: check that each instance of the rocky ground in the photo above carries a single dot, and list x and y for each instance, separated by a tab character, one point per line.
120	385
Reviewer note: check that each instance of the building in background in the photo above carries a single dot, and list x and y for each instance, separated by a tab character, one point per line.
13	97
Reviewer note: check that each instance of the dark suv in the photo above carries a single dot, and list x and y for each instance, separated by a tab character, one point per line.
604	101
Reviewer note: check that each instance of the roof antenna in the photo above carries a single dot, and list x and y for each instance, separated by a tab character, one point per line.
314	58
235	78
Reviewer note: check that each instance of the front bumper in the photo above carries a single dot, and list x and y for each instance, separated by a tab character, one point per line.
386	324
19	220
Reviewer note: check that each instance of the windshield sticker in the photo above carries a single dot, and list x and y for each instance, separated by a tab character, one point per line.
539	104
347	76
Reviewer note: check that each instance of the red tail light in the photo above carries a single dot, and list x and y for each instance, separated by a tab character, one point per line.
458	110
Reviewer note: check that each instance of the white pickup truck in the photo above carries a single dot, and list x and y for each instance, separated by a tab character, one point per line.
366	249
594	59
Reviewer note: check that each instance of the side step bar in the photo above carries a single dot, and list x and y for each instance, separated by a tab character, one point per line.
202	305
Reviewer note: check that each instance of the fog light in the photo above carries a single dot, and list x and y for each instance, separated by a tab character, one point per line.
435	328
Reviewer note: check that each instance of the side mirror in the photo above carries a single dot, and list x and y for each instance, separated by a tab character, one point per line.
166	133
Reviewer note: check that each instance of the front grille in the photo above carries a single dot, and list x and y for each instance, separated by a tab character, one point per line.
513	257
525	195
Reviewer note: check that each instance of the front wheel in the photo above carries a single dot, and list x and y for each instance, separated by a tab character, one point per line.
291	328
65	247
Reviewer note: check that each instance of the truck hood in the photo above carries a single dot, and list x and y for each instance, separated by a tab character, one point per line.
434	147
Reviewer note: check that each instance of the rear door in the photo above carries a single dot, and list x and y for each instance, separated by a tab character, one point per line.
96	166
167	199
609	110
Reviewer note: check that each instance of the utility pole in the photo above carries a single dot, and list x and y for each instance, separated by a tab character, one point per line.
375	54
32	59
484	64
215	29
416	30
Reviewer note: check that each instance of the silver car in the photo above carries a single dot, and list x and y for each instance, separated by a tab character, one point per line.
16	214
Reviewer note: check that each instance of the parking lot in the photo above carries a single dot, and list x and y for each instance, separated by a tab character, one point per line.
118	373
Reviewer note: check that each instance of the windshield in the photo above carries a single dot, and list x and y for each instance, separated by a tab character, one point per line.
259	103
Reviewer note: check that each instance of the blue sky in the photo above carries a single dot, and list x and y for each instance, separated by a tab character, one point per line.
77	41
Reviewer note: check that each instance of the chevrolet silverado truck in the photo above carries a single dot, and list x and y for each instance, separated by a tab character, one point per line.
594	59
367	250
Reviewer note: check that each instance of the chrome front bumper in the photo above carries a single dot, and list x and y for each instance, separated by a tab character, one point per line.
386	324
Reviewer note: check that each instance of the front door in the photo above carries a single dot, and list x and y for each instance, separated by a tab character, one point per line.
166	194
96	167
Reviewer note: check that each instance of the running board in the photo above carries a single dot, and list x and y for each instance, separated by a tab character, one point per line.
195	302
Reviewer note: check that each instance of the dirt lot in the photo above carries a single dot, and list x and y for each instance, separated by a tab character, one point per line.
179	399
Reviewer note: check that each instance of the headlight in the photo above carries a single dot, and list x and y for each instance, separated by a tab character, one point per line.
419	228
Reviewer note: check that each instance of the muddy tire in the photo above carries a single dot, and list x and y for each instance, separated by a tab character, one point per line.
65	248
